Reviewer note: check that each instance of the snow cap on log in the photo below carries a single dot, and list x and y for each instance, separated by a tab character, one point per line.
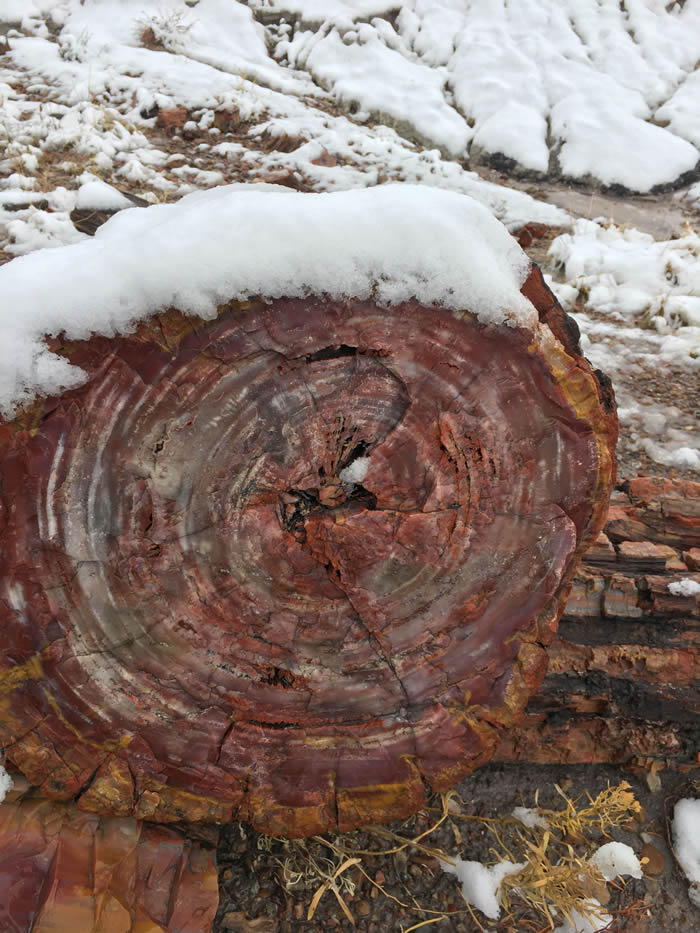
390	244
289	548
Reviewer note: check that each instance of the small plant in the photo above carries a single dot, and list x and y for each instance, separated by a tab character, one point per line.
558	877
164	31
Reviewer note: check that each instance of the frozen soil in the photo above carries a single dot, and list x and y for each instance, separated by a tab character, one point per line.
254	900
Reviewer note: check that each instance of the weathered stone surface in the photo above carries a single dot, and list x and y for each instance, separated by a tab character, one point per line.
71	872
661	511
173	118
601	554
586	596
625	667
204	619
653	861
645	556
621	597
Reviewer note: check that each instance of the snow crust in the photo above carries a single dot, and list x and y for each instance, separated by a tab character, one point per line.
392	243
686	842
644	301
593	922
627	273
577	80
98	195
615	859
356	471
5	783
529	816
685	587
481	884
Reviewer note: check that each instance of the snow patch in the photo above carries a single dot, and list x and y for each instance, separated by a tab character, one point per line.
615	859
99	196
529	817
480	885
685	587
686	843
356	471
6	783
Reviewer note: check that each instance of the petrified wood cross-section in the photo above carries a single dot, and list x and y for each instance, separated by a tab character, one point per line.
208	612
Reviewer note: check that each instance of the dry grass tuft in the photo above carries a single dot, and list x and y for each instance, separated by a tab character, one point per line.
610	809
557	879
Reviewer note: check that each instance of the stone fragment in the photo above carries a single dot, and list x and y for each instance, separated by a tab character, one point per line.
601	553
173	118
653	861
663	601
644	556
74	872
227	121
654	488
325	159
586	596
621	598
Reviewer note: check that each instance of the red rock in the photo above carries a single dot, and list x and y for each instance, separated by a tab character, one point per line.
621	598
692	558
65	870
622	525
601	553
653	861
654	488
174	118
645	556
325	159
284	176
227	121
529	232
663	601
586	596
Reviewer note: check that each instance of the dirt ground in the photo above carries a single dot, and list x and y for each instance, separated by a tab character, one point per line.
253	899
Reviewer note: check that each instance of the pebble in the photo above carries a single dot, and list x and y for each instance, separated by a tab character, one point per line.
656	864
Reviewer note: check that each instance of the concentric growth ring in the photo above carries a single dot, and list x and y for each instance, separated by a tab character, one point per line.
292	564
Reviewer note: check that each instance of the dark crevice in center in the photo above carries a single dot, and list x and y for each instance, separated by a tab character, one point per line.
332	353
359	450
304	502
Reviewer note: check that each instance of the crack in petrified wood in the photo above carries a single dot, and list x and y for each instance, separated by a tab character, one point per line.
204	619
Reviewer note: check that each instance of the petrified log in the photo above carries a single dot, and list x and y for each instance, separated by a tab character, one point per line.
73	872
294	563
623	684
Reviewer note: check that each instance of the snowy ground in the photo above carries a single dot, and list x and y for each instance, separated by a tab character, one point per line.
328	95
